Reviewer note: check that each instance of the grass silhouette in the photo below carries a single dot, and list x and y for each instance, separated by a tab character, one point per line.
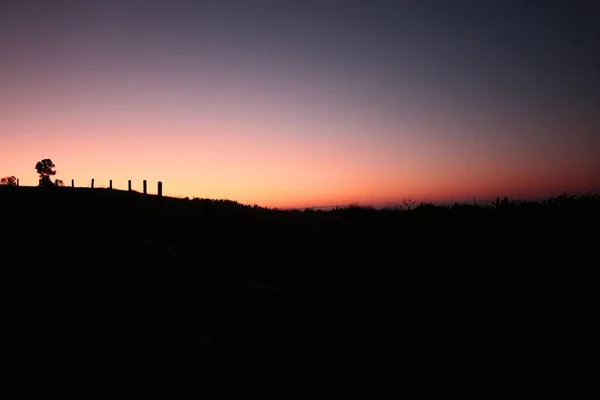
109	291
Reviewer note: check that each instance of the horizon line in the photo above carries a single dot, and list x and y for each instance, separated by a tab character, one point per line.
376	205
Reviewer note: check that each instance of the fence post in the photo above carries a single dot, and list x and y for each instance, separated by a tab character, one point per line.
17	181
159	188
110	184
129	185
92	183
145	191
72	183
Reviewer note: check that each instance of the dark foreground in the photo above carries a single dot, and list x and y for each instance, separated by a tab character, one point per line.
108	293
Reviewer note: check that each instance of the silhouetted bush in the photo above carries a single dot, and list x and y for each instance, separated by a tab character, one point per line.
8	181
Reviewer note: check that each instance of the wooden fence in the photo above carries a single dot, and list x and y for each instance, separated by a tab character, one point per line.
110	186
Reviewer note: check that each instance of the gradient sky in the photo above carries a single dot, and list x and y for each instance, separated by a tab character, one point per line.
305	103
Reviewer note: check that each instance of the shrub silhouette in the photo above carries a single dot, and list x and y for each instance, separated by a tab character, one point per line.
45	169
8	181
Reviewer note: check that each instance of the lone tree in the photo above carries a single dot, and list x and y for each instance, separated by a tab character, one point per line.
8	181
45	169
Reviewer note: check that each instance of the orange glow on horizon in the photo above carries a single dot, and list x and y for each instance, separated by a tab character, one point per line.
282	174
273	156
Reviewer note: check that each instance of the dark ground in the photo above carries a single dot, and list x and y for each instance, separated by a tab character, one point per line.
107	293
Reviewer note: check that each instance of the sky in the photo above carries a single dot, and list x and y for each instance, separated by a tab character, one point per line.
305	103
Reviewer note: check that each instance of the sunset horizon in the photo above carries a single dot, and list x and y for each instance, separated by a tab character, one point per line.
300	106
227	199
534	193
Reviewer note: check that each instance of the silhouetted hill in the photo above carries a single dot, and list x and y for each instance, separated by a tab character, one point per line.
107	291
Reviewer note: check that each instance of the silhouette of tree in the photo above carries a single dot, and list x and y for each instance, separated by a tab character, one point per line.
59	183
8	181
45	169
